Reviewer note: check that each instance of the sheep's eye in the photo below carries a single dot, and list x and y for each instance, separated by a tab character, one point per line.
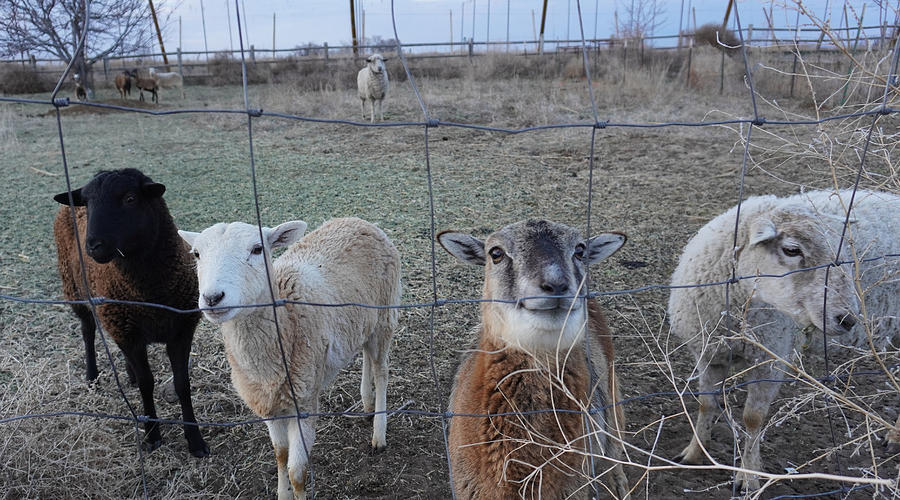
496	254
256	250
579	251
196	254
792	251
129	199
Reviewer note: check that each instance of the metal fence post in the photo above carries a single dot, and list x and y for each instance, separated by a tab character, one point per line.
471	48
105	68
325	47
180	69
252	54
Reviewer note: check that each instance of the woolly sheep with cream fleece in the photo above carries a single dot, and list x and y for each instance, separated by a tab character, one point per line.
345	260
776	236
372	83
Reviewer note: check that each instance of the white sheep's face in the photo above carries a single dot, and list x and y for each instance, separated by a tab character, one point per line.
376	63
540	266
231	265
792	239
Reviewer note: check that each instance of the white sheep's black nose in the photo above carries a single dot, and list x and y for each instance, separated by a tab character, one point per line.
554	287
846	321
213	299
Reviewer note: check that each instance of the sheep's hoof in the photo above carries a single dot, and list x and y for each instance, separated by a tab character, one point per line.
686	457
890	446
149	446
746	483
202	451
169	393
377	450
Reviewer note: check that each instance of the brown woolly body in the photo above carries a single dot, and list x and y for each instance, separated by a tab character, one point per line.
169	280
491	458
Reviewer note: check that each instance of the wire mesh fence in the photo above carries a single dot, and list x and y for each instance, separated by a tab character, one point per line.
830	388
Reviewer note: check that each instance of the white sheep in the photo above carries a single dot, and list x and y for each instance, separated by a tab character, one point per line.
344	261
168	80
776	236
531	358
372	83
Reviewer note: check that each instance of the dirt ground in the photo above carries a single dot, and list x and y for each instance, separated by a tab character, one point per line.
657	185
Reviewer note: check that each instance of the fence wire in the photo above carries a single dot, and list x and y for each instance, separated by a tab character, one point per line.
429	122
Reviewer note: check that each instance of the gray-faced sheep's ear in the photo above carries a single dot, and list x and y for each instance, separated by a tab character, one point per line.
464	247
153	189
188	236
63	198
602	246
284	234
762	230
369	59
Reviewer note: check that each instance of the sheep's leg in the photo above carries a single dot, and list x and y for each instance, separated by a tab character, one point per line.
179	351
378	366
137	356
380	110
759	398
372	119
142	95
710	378
362	104
892	438
88	331
298	454
278	432
365	386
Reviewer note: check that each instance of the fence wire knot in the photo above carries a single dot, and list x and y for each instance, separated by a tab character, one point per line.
61	102
884	110
759	121
601	125
256	113
432	123
96	301
143	419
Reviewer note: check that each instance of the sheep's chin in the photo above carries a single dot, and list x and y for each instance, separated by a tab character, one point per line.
219	316
538	331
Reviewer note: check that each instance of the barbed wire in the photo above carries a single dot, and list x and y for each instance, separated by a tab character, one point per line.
429	123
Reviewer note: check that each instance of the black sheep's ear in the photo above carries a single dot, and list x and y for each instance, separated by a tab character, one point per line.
153	189
63	198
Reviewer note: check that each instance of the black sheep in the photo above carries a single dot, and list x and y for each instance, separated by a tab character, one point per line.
132	252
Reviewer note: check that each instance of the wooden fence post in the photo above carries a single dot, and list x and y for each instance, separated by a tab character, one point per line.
180	68
106	69
325	47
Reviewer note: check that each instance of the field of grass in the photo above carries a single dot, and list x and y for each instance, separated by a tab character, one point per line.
657	185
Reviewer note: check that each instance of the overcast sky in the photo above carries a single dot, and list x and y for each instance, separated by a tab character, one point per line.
418	21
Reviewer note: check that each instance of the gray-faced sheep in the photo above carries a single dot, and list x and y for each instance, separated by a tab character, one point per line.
372	83
132	252
80	92
531	357
148	84
123	83
777	236
344	261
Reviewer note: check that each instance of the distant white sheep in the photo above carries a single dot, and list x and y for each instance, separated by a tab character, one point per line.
168	80
776	236
345	260
372	83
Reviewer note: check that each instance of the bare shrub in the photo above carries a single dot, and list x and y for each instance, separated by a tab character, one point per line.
15	79
226	70
713	35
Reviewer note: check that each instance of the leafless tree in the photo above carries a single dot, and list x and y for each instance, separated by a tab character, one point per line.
55	27
642	18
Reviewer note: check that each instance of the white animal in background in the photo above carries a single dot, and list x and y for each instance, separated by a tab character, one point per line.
777	236
372	83
344	261
531	358
168	80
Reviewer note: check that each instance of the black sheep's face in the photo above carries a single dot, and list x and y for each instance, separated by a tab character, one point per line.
122	214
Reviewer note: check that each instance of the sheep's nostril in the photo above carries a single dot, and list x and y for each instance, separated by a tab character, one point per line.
554	288
212	300
846	321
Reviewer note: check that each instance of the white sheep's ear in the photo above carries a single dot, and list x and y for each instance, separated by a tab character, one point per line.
188	236
602	246
284	234
762	230
464	247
